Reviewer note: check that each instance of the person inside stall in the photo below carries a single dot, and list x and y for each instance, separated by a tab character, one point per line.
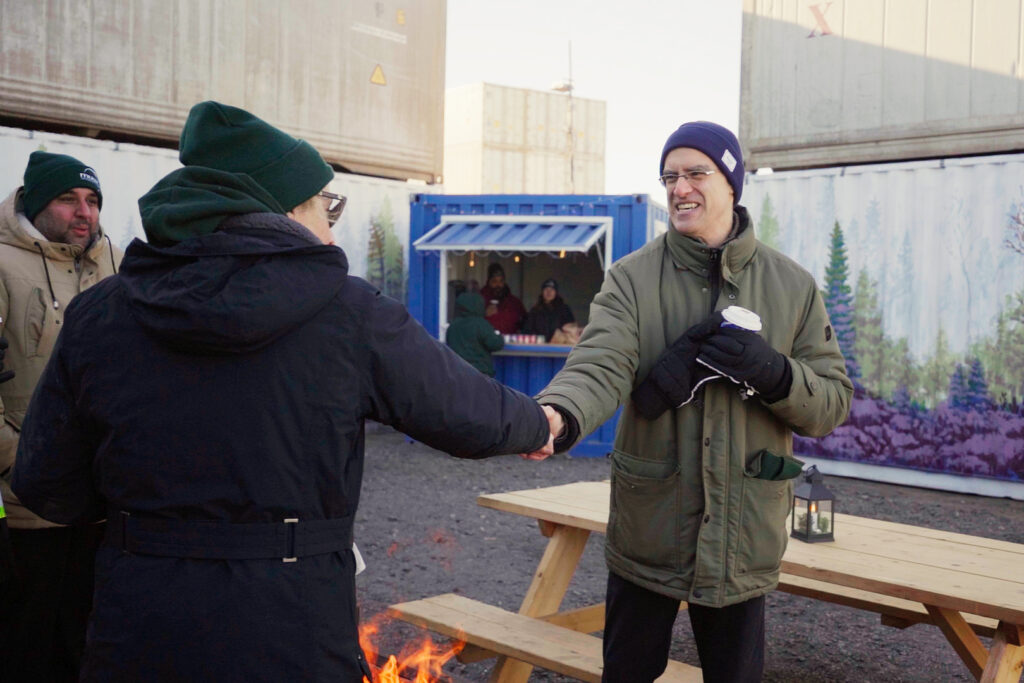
504	310
550	312
470	336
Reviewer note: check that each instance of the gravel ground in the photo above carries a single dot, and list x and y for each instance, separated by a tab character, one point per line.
422	534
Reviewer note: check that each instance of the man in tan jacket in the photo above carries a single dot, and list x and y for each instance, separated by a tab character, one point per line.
6	563
51	248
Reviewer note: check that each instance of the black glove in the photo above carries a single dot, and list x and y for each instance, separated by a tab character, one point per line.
4	376
670	383
571	432
745	357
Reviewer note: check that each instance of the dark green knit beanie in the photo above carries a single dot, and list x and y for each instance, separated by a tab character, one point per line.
50	175
230	139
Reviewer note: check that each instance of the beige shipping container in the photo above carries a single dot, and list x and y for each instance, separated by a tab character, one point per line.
513	140
854	81
362	81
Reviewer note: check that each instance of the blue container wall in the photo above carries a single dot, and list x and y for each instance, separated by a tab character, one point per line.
530	374
633	219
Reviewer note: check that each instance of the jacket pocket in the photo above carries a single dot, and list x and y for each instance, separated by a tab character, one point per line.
763	515
643	523
41	325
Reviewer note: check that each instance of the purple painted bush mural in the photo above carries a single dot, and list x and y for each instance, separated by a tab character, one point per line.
900	415
981	442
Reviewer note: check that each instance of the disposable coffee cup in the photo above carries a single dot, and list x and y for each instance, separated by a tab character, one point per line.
742	318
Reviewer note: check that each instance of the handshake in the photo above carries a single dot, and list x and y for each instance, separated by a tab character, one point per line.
555	427
708	351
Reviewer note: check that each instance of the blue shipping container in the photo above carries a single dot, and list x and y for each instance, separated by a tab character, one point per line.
438	226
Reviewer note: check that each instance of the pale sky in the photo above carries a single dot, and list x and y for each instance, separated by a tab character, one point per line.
656	63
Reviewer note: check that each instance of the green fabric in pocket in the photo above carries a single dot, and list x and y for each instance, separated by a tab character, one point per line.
767	465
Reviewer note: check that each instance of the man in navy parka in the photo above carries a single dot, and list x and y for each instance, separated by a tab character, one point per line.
209	401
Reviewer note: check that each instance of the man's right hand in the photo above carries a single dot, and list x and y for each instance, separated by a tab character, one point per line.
555	427
8	374
670	382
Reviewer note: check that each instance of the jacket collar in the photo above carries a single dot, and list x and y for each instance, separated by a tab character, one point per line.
691	254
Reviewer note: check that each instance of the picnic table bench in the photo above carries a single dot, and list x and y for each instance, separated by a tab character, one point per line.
966	585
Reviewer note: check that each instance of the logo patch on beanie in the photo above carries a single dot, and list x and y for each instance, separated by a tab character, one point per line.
729	160
89	175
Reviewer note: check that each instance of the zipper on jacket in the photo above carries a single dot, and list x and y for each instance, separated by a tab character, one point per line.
715	277
46	269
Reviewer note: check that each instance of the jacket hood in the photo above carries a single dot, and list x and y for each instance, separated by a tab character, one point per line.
469	305
234	290
195	200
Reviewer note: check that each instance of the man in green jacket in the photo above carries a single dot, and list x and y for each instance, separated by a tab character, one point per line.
700	495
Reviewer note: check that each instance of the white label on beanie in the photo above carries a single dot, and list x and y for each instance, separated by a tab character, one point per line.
729	160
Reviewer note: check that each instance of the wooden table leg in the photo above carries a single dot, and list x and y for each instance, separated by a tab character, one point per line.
544	597
1006	658
962	637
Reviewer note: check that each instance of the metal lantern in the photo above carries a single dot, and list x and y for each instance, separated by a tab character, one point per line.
813	515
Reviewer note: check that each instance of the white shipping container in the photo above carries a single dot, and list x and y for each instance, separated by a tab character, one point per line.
854	81
933	254
513	140
930	235
376	207
362	81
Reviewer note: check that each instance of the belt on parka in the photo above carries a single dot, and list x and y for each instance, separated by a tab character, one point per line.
287	540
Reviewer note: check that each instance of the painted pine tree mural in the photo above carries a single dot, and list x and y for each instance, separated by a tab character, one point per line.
977	388
937	370
768	225
867	320
945	399
958	387
839	301
385	261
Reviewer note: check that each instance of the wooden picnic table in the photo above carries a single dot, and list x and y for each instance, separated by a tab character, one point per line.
965	584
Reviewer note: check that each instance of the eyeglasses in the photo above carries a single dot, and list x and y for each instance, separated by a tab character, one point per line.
335	204
691	177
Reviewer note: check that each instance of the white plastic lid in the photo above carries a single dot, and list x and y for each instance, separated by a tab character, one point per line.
741	317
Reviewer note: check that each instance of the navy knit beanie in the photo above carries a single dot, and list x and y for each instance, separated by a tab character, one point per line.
718	143
50	175
231	139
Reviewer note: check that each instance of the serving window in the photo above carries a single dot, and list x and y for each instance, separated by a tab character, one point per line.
573	250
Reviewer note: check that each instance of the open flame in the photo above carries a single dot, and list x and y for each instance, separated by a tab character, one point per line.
420	662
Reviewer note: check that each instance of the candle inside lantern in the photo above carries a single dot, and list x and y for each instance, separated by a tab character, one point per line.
813	518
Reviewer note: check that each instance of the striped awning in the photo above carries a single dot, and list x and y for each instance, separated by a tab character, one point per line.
515	233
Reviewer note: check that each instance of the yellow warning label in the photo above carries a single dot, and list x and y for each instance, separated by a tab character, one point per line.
377	77
400	17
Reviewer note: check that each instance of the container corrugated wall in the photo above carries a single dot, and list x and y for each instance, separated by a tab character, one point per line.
635	221
843	82
362	81
512	140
